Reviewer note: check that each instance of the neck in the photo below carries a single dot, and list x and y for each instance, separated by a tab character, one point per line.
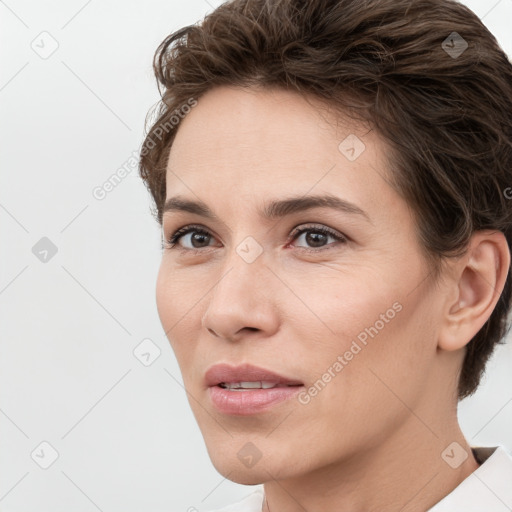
405	472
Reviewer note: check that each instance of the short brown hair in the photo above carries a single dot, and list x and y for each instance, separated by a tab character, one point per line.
426	74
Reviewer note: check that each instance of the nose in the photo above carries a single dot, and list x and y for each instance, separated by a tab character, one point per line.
242	302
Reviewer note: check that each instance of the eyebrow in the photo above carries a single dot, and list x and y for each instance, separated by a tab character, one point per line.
272	210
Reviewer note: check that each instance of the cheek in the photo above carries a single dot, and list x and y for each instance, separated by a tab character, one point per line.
175	295
174	305
363	326
165	299
340	306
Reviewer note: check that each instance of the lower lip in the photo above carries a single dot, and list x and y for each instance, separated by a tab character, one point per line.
251	401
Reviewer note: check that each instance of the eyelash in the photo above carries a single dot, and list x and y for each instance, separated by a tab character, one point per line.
175	237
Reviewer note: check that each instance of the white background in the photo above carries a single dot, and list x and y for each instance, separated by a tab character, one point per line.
124	432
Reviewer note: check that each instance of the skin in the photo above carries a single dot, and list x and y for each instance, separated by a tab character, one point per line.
372	438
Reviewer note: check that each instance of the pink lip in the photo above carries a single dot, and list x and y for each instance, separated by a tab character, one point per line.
250	401
247	372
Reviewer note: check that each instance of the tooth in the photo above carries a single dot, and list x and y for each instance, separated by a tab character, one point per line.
232	385
250	385
240	386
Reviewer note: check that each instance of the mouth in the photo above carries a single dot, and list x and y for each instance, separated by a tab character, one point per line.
246	376
246	389
247	385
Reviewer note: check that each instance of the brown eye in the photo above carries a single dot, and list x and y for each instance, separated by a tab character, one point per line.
317	237
198	237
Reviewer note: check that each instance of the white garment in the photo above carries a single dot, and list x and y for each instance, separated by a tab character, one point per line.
487	489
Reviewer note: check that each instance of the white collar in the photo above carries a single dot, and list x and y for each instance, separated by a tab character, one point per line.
487	489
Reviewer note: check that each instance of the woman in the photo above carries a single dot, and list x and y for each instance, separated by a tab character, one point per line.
331	180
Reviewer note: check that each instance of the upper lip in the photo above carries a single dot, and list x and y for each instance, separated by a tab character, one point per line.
244	373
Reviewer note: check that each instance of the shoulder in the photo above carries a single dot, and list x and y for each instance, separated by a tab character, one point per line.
251	503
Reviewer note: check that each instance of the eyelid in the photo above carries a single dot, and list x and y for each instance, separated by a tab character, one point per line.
320	227
173	240
338	236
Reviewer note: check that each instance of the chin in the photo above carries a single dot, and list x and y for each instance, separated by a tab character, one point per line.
234	470
230	463
248	477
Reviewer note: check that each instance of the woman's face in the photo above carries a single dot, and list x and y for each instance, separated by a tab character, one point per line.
335	298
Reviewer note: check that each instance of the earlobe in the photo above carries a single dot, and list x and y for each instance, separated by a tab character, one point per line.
480	278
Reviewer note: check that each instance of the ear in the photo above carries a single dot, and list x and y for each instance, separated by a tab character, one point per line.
480	277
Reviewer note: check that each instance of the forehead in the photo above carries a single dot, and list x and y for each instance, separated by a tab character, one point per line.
265	141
